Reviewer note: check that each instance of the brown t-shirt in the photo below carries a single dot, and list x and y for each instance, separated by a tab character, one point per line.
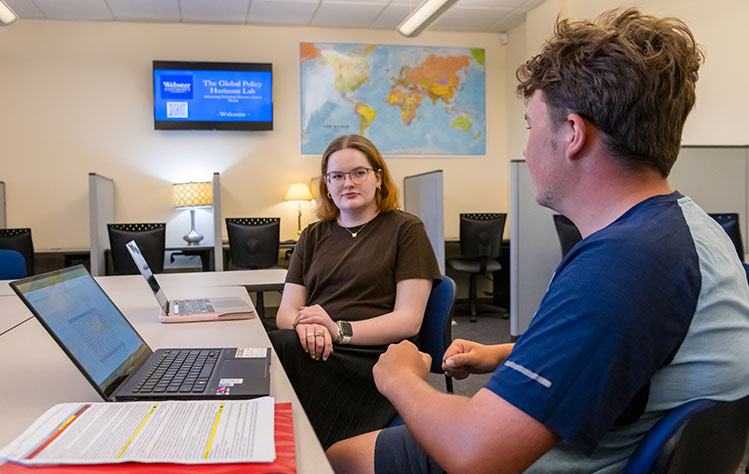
354	278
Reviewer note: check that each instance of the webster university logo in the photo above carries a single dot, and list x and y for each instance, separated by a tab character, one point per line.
176	87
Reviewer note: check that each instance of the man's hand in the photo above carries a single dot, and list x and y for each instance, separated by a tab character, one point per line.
400	361
466	357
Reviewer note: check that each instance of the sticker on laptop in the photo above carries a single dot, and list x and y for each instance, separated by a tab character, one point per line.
230	382
223	390
251	352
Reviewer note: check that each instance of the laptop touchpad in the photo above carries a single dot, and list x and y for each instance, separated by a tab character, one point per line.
223	305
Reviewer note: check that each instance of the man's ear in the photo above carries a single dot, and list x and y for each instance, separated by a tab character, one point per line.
579	135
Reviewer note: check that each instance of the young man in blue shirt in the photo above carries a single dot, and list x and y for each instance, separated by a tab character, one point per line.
650	310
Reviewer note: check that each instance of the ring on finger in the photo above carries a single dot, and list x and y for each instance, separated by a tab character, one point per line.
320	334
310	334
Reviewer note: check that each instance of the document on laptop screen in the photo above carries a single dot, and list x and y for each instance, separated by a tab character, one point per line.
186	432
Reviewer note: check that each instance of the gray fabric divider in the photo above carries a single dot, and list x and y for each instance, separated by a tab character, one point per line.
100	213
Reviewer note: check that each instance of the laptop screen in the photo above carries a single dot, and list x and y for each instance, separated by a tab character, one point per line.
86	324
145	270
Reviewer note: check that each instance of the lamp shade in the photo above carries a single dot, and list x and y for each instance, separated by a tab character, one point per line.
298	192
192	194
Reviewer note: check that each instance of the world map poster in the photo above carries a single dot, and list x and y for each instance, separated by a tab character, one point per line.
409	100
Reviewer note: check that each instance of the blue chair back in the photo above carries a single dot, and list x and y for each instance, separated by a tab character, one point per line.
12	265
435	334
701	436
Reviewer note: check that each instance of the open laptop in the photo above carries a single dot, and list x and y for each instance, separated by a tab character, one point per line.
194	309
103	344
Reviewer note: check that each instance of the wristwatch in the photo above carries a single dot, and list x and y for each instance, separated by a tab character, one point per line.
344	332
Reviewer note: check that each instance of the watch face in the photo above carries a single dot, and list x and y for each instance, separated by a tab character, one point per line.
346	329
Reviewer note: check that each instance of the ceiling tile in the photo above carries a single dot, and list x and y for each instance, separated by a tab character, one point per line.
214	11
145	10
282	12
391	16
74	9
348	14
469	19
24	9
508	22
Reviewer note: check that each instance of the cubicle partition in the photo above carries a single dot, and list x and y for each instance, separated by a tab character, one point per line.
717	178
100	213
2	205
218	244
423	196
534	249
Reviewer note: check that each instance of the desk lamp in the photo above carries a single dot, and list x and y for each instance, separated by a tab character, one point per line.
299	193
191	196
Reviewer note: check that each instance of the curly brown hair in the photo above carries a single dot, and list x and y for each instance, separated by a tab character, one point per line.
629	74
386	196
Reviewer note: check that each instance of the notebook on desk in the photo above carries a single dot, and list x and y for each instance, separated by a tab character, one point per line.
115	359
194	309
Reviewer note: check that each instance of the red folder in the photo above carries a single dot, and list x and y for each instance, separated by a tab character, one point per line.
285	462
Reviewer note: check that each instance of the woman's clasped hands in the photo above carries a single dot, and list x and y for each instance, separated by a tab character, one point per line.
316	331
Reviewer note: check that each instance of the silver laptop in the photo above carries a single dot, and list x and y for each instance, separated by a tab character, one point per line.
115	359
193	309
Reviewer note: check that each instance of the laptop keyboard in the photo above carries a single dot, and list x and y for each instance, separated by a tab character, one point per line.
197	306
180	371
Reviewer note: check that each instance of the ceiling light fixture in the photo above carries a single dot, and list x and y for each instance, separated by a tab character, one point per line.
7	16
423	16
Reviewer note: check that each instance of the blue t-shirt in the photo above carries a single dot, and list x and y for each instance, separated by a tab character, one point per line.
646	314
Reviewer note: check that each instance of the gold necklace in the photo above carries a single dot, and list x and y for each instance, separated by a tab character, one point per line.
354	234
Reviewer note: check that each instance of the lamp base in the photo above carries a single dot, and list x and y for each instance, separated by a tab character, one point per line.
192	238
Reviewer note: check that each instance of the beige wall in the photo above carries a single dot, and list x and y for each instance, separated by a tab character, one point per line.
75	97
721	115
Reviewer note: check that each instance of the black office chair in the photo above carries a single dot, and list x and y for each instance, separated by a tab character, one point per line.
151	239
480	247
730	223
701	436
254	244
19	240
567	233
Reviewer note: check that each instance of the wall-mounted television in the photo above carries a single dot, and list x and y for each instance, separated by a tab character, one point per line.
191	95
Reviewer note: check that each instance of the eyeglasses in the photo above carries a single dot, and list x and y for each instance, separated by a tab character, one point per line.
358	176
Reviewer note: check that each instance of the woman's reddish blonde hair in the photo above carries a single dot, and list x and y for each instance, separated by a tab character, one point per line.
386	195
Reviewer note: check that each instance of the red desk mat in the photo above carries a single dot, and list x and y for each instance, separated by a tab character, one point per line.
285	462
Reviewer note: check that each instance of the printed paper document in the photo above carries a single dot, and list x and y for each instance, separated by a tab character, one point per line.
189	432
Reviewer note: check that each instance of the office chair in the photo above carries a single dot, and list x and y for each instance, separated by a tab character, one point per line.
480	247
701	436
730	223
12	265
20	241
435	333
151	239
254	244
567	233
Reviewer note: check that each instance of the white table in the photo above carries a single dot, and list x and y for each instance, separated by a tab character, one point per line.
37	374
14	312
254	280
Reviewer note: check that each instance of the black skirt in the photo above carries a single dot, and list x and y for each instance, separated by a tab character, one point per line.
339	395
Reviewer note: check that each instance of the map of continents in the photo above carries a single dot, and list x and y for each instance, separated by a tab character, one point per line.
406	99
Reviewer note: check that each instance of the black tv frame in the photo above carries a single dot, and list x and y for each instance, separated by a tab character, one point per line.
211	125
